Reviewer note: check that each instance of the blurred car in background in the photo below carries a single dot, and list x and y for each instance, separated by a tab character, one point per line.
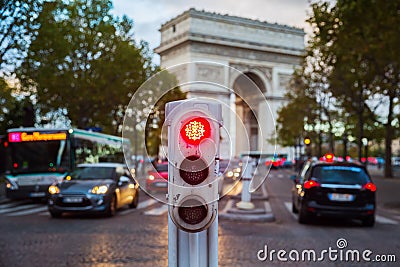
230	169
94	188
157	177
288	164
334	189
274	162
396	161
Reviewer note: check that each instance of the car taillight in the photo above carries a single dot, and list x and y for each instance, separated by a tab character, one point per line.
310	184
370	186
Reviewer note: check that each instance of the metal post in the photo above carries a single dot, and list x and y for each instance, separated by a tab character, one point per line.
203	243
245	203
194	250
213	243
183	249
172	243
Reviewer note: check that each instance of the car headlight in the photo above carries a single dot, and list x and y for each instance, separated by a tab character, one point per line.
229	174
53	189
151	177
99	189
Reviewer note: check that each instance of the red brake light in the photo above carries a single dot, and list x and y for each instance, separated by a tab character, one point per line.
329	157
370	186
196	130
310	184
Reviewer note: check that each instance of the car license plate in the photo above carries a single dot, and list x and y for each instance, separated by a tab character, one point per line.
161	185
38	194
341	197
72	199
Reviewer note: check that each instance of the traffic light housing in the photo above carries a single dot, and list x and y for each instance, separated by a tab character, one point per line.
193	153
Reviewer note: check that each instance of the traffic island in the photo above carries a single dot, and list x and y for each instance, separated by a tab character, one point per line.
261	212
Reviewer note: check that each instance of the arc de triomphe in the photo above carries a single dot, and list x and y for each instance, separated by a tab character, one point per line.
266	53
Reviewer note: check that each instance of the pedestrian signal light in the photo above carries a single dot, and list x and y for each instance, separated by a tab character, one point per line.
193	148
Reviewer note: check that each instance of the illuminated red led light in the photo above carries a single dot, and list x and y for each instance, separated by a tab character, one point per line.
329	157
370	186
310	184
195	130
15	165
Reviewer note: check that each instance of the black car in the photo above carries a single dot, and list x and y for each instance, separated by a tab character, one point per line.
94	188
337	189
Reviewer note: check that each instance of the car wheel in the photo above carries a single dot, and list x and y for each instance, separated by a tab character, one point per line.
55	214
135	201
369	221
304	216
112	207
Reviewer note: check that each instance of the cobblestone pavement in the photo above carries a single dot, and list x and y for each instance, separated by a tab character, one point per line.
30	237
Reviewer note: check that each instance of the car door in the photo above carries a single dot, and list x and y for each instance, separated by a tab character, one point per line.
132	187
123	186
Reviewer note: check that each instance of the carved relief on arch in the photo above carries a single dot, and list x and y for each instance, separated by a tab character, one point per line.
260	75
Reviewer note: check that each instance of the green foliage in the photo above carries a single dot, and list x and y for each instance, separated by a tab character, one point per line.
351	72
14	112
84	60
165	90
17	25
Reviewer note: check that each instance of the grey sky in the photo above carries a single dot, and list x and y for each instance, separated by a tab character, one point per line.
148	15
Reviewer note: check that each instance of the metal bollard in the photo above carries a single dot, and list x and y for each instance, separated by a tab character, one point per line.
245	202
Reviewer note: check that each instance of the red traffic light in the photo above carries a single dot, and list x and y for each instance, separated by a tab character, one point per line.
196	130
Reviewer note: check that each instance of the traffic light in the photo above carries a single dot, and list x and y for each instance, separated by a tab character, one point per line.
193	152
307	141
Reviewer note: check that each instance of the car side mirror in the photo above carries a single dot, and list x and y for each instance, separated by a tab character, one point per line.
123	180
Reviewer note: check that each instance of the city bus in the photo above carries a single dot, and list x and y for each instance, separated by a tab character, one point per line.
3	156
37	158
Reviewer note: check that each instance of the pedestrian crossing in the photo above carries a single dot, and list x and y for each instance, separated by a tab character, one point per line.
9	208
378	218
148	207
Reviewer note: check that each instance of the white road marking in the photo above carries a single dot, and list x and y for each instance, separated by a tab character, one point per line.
384	220
20	208
44	213
26	212
159	211
13	204
141	205
288	206
280	176
146	203
228	206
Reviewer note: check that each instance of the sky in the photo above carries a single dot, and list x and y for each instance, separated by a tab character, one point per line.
148	15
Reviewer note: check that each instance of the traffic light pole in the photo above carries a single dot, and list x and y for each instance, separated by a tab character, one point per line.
192	180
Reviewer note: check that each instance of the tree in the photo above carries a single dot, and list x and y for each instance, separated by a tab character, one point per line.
17	26
363	44
84	60
14	112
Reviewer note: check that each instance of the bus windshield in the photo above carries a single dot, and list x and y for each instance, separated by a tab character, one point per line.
40	156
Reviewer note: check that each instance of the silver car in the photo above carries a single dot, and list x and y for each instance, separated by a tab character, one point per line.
95	188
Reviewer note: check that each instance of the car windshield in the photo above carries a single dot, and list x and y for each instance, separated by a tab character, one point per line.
86	173
349	175
162	168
